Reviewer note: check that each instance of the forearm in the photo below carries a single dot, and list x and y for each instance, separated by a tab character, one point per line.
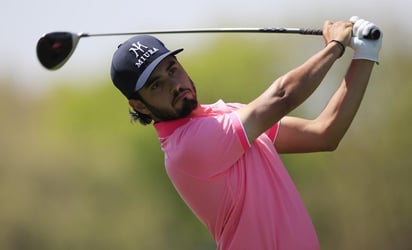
287	92
344	104
326	131
291	89
298	84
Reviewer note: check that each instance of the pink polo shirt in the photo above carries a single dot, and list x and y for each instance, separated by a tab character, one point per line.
240	191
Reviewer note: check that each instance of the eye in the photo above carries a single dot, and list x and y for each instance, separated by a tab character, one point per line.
172	70
154	85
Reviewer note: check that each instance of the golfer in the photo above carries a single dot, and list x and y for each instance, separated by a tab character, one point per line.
223	158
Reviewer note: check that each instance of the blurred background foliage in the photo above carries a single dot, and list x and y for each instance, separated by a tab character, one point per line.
76	174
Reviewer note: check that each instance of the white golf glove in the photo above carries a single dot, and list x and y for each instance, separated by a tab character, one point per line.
364	48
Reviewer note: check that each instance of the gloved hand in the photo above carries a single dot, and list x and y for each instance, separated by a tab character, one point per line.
364	48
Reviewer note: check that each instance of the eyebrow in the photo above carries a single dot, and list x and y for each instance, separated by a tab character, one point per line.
171	64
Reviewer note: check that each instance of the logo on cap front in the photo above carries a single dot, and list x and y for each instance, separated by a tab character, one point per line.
142	53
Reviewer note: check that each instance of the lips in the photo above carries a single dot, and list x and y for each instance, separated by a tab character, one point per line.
180	96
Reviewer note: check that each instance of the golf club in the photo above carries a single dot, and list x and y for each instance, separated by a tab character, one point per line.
55	48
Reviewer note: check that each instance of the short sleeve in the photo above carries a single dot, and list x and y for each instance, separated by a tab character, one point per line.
272	132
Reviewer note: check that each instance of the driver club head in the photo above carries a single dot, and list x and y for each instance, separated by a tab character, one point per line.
55	48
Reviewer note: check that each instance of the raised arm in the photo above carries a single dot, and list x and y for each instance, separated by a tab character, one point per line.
291	89
326	131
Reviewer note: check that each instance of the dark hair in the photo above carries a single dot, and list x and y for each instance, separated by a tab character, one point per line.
136	116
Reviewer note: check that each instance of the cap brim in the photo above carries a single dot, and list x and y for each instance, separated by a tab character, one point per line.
148	71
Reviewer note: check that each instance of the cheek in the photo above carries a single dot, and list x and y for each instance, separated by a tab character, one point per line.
163	101
159	96
155	99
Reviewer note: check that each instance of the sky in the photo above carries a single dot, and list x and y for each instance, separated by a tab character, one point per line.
23	22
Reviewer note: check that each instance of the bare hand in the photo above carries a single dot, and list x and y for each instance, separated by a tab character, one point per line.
341	31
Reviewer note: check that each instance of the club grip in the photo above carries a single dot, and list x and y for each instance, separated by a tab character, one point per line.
374	34
311	32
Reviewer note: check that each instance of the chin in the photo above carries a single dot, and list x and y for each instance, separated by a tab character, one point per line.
188	106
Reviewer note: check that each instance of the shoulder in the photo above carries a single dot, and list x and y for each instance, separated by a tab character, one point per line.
204	139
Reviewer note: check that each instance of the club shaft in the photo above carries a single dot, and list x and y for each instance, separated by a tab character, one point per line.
214	30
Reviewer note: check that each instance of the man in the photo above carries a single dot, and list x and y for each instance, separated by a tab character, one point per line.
223	158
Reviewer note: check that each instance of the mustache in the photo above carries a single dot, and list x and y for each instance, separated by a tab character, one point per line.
178	92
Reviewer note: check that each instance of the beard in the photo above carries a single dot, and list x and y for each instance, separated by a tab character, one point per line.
188	105
166	115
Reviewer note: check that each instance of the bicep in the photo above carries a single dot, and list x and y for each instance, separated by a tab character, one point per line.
263	112
298	135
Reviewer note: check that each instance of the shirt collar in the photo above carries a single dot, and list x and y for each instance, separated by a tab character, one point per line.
166	128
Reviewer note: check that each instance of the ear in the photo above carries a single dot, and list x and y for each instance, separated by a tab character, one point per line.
139	106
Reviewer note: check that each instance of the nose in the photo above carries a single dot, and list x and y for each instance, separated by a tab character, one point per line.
175	86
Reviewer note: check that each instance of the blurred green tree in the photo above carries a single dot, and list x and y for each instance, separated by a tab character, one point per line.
75	174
